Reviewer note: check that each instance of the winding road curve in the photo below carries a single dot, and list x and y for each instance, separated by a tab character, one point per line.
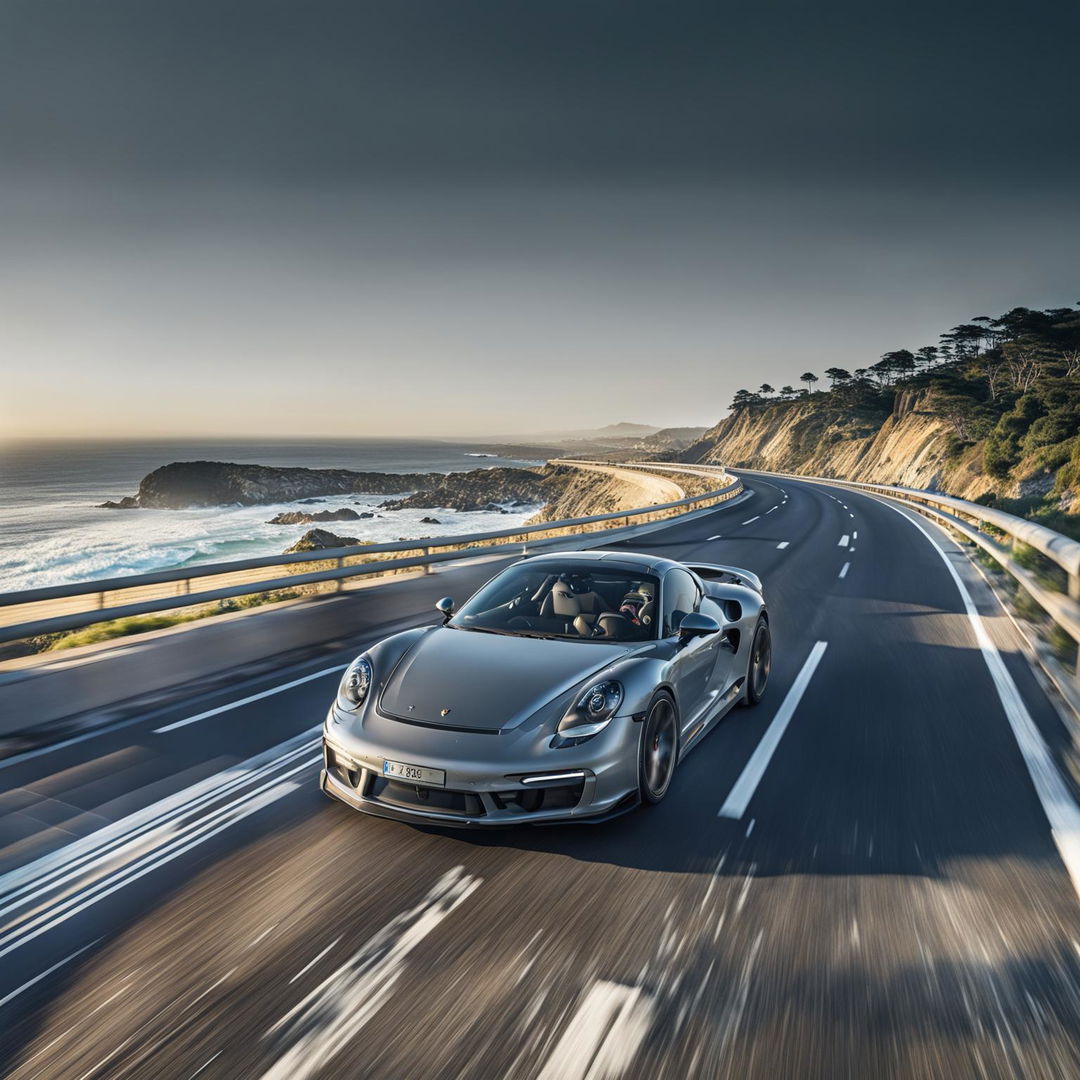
868	875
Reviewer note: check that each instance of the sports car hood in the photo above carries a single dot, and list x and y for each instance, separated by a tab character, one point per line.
488	682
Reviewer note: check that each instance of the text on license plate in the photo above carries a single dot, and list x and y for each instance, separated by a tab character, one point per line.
416	774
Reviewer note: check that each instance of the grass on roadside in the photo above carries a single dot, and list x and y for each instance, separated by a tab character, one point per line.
141	624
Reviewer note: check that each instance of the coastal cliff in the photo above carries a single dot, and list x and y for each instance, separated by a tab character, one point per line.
992	415
909	446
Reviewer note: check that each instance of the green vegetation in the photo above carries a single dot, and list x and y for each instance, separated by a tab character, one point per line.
141	624
1007	388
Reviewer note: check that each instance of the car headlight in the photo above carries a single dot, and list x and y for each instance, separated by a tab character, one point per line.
355	684
592	711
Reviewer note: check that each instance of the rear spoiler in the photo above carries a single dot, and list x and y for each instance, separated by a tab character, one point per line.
728	575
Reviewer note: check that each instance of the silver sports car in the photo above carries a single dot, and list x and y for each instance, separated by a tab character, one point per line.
569	687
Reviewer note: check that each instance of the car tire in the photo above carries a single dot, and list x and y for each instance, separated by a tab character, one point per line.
659	752
760	663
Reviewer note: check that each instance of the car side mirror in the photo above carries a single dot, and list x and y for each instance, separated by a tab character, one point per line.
446	606
695	624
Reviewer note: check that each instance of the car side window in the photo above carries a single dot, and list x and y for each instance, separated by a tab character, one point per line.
680	598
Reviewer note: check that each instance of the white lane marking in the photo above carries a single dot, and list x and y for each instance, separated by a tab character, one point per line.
844	540
711	538
46	973
311	963
743	791
242	808
329	1017
750	827
60	867
851	515
783	544
249	699
65	882
1060	809
752	520
844	569
855	536
771	509
602	1039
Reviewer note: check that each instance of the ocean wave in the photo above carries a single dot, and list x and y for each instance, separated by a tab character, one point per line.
59	544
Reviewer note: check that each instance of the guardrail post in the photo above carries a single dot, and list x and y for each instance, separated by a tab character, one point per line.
1074	592
427	565
340	584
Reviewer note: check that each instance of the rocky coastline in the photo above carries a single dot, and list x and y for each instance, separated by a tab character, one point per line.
191	484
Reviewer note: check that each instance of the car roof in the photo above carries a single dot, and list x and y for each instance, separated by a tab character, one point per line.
623	560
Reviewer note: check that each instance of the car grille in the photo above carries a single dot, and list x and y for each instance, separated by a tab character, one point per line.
465	804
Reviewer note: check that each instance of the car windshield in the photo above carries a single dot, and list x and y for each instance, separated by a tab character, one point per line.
581	601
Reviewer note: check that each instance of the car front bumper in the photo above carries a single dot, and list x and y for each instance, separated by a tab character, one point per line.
487	784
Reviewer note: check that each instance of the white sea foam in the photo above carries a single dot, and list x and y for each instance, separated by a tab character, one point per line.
52	533
78	543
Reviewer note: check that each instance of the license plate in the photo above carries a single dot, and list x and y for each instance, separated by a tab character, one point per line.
415	774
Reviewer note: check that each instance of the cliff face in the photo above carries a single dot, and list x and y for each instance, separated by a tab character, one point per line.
580	492
910	446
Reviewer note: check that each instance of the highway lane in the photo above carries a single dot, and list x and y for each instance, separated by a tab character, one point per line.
891	900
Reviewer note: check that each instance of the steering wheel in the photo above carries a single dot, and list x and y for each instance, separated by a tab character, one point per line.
598	629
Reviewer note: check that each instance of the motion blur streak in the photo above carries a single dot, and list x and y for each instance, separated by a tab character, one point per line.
604	1035
335	1011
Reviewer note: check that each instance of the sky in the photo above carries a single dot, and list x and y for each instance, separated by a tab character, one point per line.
449	217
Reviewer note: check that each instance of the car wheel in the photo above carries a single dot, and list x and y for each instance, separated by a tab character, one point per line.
659	749
757	672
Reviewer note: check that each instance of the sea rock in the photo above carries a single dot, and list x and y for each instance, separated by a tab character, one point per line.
302	517
430	521
128	502
323	540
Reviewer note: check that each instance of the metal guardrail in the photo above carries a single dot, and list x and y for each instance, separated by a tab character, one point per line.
21	614
970	519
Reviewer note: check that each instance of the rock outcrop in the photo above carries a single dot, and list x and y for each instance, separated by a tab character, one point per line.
323	540
480	489
302	517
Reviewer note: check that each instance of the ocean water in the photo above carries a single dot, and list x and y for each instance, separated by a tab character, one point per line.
51	533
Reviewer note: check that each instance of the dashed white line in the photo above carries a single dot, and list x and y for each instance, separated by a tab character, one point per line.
604	1035
712	538
771	509
750	827
844	570
743	791
783	544
250	698
752	520
844	540
855	536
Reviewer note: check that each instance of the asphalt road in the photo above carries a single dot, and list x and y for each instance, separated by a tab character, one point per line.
885	893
